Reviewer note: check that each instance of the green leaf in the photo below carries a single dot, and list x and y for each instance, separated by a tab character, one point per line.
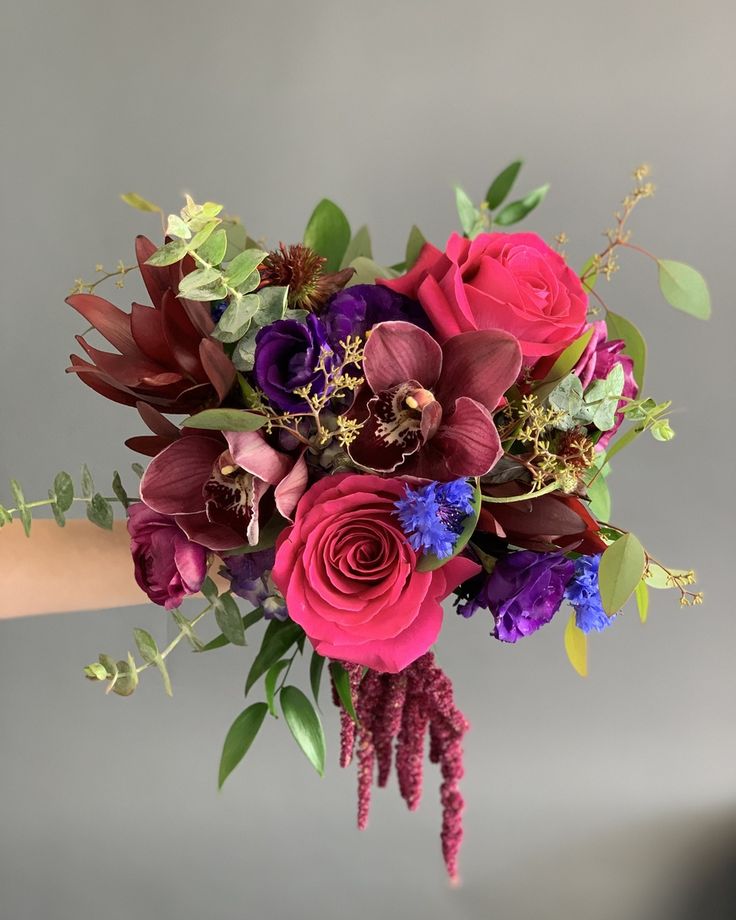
229	619
501	185
216	291
576	646
270	683
239	738
642	600
134	200
88	483
316	666
276	641
126	678
5	516
413	247
305	726
600	497
360	245
366	271
237	239
429	561
341	679
201	236
58	514
138	469
466	210
636	348
221	641
684	288
328	234
272	304
146	645
24	512
99	511
214	248
175	226
226	420
590	281
244	265
95	671
618	445
563	365
169	254
621	569
119	490
518	210
199	278
64	491
236	320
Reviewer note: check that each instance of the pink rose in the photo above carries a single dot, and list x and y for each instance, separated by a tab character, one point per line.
596	362
509	281
168	566
350	577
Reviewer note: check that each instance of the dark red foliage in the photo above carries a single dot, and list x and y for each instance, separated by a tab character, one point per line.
167	358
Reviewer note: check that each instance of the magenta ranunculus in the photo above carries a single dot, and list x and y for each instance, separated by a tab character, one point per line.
596	362
168	565
508	281
350	578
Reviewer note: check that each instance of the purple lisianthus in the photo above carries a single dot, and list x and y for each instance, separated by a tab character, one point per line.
596	362
168	566
287	357
250	578
523	592
357	309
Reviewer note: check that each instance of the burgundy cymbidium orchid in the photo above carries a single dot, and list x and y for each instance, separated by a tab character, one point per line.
167	358
427	410
220	488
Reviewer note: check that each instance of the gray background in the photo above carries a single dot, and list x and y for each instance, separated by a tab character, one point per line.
611	797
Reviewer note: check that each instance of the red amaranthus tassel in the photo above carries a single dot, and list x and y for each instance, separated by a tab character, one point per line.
395	711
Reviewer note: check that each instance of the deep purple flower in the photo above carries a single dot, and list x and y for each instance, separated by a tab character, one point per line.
596	362
250	578
168	566
357	309
287	358
523	592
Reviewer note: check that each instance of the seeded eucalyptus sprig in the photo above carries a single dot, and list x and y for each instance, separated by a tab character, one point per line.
61	498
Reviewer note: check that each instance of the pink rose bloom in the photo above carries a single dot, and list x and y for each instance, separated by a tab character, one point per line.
350	577
168	566
596	362
508	281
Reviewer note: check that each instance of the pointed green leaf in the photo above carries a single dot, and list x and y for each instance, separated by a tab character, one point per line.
684	288
341	679
360	245
642	600
621	569
55	510
600	496
413	247
134	200
305	726
221	641
316	666
576	646
88	483
175	226
466	210
23	510
366	271
201	236
269	683
563	365
119	490
229	619
239	738
137	469
636	348
64	491
226	420
328	234
277	639
501	185
146	645
99	511
518	210
199	278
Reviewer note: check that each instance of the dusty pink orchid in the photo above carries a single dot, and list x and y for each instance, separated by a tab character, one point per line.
427	410
219	487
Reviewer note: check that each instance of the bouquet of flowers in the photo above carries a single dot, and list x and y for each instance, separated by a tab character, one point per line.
345	445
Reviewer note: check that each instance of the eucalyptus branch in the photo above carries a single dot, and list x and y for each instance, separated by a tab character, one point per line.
87	287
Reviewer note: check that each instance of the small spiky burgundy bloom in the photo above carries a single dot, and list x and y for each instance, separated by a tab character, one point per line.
395	711
301	268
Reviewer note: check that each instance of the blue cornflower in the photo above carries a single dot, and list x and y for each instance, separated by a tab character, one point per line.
585	597
432	516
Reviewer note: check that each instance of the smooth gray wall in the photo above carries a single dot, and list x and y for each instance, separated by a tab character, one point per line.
587	799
